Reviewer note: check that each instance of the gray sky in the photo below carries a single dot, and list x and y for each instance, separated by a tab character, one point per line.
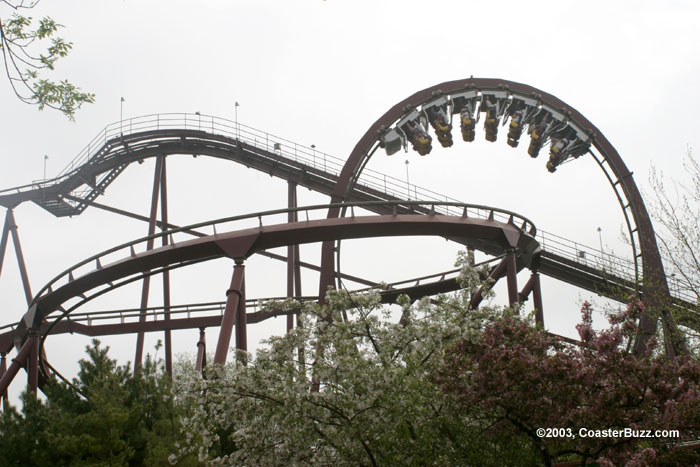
321	72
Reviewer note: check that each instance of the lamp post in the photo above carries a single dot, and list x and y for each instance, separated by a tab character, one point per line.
408	187
238	132
121	115
602	254
45	159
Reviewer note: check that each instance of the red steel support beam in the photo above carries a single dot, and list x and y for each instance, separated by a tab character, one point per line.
537	298
242	322
3	370
527	288
10	219
512	278
291	251
495	275
17	363
3	239
327	269
201	362
233	297
33	363
166	273
297	291
533	286
149	246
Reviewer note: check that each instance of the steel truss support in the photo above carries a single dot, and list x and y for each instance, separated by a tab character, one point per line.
201	362
138	358
233	313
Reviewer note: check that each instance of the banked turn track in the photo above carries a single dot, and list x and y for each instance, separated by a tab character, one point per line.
121	144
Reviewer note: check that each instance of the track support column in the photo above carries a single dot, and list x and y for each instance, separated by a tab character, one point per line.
533	286
511	277
3	370
16	364
4	237
495	275
242	324
234	296
166	274
10	228
33	362
149	246
292	250
201	362
537	298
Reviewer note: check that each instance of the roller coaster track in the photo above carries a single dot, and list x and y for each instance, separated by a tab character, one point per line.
122	143
349	185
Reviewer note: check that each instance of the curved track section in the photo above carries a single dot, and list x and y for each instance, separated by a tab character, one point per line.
515	242
547	118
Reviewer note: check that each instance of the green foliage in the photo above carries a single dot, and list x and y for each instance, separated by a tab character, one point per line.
28	50
121	418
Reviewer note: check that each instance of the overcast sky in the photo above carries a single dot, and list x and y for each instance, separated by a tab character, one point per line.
321	72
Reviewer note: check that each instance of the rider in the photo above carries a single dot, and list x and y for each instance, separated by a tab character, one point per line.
468	123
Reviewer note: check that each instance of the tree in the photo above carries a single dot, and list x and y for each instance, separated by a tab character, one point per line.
676	209
30	49
523	379
375	404
109	417
445	385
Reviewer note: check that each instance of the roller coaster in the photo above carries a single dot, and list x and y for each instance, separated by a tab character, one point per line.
511	241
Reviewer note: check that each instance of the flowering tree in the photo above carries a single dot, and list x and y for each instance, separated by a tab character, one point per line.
675	207
374	405
444	385
524	379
